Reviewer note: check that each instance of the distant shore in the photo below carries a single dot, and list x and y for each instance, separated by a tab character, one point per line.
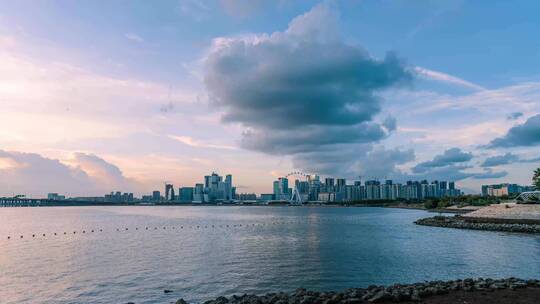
488	291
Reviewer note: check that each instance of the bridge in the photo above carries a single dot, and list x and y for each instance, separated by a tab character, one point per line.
529	196
43	202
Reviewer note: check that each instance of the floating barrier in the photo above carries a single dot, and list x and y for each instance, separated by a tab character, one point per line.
198	227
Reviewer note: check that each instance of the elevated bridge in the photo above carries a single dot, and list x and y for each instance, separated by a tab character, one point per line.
529	197
43	202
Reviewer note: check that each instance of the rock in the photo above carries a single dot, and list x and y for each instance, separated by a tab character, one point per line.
415	296
221	300
497	286
167	291
374	294
380	296
516	285
307	300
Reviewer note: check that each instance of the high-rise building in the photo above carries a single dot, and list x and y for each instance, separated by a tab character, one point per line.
156	196
275	189
340	184
186	194
169	192
505	189
198	193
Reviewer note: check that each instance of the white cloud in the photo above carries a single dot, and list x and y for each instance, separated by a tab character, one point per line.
200	144
36	175
440	76
134	37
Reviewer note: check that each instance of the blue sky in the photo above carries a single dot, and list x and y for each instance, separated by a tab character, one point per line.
128	94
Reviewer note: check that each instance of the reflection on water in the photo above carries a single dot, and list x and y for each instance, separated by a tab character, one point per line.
290	247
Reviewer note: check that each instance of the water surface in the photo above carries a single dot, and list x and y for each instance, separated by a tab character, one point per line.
289	247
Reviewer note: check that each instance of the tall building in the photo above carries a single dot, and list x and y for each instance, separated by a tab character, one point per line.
505	189
275	189
217	189
284	192
169	192
156	196
198	193
340	184
186	194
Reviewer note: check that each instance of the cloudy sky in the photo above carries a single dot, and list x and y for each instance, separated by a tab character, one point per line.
99	96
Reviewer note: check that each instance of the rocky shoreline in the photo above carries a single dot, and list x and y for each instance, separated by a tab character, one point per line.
490	224
396	293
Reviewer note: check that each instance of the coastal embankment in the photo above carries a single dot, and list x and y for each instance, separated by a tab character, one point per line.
479	223
492	291
510	217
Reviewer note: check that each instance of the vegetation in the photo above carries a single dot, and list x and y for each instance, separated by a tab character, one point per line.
536	179
432	202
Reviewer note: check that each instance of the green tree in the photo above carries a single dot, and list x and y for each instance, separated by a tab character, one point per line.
536	178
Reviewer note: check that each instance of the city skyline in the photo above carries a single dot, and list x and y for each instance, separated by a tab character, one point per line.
105	96
306	188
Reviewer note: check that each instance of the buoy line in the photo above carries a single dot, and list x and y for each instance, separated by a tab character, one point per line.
248	225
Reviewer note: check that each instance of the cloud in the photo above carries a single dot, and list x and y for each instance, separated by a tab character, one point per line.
532	160
242	8
196	9
381	163
309	138
199	144
134	37
101	171
488	173
499	160
453	165
514	115
353	160
303	90
167	107
448	158
33	174
439	76
526	134
390	123
450	172
39	92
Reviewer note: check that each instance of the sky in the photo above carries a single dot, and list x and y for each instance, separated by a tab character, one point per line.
101	96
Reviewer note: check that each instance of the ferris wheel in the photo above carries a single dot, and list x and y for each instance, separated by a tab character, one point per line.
296	197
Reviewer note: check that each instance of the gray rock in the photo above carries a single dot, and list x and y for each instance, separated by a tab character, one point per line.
181	301
380	296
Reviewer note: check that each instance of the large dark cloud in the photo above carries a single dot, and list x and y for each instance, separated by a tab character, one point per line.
303	92
449	157
309	138
527	134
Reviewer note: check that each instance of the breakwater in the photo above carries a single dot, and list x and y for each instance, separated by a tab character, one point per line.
490	224
384	294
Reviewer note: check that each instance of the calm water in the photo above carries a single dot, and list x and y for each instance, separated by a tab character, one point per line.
316	248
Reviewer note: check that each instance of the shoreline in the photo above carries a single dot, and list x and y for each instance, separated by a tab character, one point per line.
531	226
493	291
